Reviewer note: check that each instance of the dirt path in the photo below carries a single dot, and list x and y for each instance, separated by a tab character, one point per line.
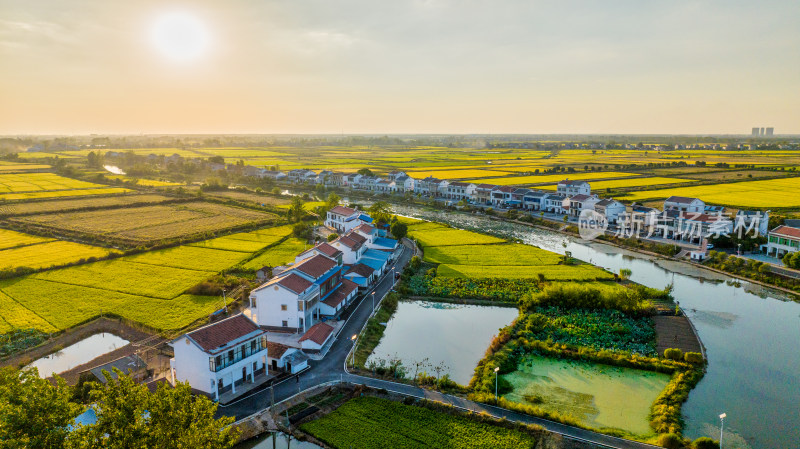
675	332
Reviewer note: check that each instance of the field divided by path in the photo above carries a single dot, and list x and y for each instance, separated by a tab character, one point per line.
24	250
147	288
466	254
553	179
756	194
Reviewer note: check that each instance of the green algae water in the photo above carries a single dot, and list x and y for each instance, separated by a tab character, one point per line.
597	395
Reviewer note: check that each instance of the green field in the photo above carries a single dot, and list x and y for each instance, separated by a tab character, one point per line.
499	254
599	396
369	422
634	182
756	194
443	236
552	179
13	239
65	205
48	254
455	174
148	288
278	255
62	193
551	272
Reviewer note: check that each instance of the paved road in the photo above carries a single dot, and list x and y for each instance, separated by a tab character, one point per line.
332	368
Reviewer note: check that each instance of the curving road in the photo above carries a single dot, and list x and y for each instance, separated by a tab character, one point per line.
332	368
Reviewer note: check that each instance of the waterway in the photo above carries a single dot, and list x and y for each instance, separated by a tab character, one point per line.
114	169
78	353
751	335
452	337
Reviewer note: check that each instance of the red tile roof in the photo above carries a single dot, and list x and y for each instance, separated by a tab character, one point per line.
215	335
276	350
341	293
788	231
365	228
348	242
328	250
580	197
361	269
318	333
315	266
341	210
356	237
295	283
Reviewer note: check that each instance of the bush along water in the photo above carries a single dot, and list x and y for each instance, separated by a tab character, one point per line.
581	323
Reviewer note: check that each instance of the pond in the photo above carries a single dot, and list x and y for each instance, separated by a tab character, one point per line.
78	353
280	441
750	334
454	336
597	395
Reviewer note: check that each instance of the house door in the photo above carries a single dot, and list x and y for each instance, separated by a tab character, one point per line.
219	385
288	367
274	365
244	374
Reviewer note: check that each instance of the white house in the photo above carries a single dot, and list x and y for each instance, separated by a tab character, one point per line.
324	249
219	357
286	358
502	195
554	203
534	200
361	274
483	193
352	245
405	183
577	203
342	219
571	188
684	204
782	240
610	208
338	299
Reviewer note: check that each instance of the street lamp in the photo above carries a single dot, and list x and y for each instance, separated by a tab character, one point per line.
373	301
353	338
739	251
495	383
721	426
224	301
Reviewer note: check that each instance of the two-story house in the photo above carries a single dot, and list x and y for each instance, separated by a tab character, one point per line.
571	188
219	357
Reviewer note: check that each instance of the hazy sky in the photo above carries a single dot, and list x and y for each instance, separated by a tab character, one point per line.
394	66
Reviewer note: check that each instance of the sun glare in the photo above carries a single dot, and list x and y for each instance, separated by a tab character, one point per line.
179	36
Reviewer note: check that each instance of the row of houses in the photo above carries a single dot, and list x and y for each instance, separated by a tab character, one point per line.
300	299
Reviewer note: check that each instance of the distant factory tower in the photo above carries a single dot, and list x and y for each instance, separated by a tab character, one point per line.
756	132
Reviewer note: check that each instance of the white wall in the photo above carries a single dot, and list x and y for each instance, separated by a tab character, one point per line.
267	310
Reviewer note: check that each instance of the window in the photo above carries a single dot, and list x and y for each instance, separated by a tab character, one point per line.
263	342
253	346
284	323
284	307
299	306
230	356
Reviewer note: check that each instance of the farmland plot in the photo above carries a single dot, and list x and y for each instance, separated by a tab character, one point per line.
278	255
552	179
551	272
36	182
756	194
448	236
190	258
632	182
16	316
128	277
48	254
41	207
149	224
62	193
368	422
13	239
500	254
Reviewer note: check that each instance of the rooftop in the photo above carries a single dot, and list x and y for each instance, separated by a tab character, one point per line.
222	332
295	283
362	270
318	333
787	231
680	200
341	210
341	293
315	266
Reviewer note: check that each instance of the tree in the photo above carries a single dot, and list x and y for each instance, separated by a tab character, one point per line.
128	415
33	412
399	230
625	273
365	172
380	211
333	200
297	210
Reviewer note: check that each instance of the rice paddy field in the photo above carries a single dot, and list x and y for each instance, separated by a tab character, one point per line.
630	182
65	205
14	167
599	396
24	250
771	193
148	288
143	225
62	193
37	182
553	179
466	254
455	174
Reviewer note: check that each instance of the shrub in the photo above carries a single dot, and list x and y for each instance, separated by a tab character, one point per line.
333	236
693	357
705	443
673	354
670	441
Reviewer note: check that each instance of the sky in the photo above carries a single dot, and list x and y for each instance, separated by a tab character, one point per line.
417	66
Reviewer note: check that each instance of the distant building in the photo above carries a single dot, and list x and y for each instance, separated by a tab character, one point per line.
770	131
755	131
570	188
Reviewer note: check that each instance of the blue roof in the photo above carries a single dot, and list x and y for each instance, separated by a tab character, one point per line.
375	264
366	218
377	254
357	278
386	242
513	202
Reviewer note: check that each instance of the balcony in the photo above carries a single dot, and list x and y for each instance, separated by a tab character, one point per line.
222	361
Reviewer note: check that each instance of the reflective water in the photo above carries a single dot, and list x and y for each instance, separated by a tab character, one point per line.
453	337
751	335
78	353
114	169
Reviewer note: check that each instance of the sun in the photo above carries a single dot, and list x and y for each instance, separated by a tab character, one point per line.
179	36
